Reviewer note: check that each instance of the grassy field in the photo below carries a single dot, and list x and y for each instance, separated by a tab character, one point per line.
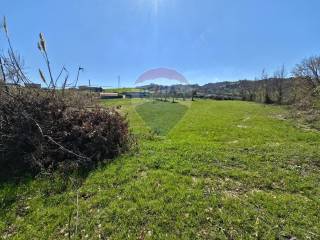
218	170
161	117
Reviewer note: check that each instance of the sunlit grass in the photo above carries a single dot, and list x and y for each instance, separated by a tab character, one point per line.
161	117
227	170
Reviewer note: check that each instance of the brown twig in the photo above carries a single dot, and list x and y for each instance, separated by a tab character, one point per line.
54	142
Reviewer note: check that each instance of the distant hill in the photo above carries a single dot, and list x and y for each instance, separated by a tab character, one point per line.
229	88
266	90
122	90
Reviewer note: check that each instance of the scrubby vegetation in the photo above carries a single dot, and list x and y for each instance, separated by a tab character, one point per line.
53	128
40	132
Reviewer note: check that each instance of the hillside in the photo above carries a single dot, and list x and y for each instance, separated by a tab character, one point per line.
226	170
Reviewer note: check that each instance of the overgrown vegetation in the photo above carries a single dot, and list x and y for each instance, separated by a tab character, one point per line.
44	130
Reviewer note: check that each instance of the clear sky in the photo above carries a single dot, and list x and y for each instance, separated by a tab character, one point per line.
205	40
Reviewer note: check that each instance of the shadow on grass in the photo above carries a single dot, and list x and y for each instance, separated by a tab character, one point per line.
16	184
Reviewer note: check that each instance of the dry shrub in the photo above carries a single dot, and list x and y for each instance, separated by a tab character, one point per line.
56	127
42	131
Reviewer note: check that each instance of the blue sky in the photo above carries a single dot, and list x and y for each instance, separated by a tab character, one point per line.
205	40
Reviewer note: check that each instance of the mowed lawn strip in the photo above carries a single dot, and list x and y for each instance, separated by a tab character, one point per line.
161	117
226	170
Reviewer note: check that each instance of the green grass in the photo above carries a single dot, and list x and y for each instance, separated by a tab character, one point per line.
226	170
161	116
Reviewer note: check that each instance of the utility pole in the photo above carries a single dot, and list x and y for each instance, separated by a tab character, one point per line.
119	79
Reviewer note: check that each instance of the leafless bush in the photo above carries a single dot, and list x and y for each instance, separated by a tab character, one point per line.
53	128
309	69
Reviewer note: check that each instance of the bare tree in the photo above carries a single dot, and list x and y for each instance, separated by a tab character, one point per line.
266	87
309	69
279	78
173	93
247	90
193	94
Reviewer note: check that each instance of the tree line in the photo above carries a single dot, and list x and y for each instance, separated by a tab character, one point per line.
302	87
